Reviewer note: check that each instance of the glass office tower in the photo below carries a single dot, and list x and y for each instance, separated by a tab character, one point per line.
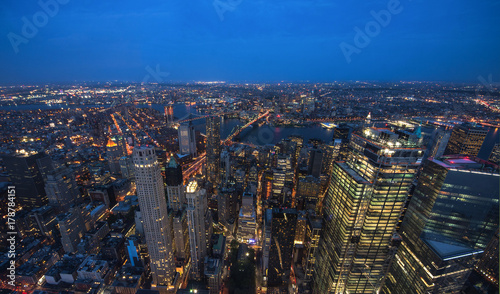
362	208
451	218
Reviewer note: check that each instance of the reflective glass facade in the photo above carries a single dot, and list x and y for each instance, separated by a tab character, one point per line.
452	217
361	210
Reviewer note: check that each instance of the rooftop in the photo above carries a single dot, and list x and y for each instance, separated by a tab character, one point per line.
448	251
466	163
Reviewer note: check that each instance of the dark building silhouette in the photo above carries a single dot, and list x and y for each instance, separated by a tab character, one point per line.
213	149
315	162
27	173
284	222
342	133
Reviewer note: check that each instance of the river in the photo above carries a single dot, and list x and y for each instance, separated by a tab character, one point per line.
256	135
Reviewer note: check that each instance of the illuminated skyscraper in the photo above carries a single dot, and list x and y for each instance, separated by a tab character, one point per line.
187	140
155	219
313	233
488	264
169	115
495	154
247	225
113	155
466	139
213	149
452	216
197	211
361	210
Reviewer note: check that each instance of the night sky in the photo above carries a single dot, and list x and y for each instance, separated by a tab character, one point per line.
252	40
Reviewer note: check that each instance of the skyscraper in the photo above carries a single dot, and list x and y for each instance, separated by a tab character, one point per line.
247	220
61	189
361	210
181	237
451	218
113	155
187	140
315	162
313	233
175	189
495	154
439	142
282	231
27	173
466	139
342	133
169	115
197	210
151	195
213	149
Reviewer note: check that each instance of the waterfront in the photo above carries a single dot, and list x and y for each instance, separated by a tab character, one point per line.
257	135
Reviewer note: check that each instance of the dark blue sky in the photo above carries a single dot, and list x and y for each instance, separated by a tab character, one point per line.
257	40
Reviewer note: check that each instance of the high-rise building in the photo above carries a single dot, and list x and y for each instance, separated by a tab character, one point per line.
247	222
466	139
330	152
127	168
27	173
495	154
451	218
213	274
315	162
342	133
169	115
266	243
155	218
213	149
175	188
72	227
61	189
439	142
308	192
181	237
487	266
361	210
313	233
197	210
282	237
187	140
113	155
282	178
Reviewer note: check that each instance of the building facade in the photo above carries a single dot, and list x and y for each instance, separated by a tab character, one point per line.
452	217
361	210
155	219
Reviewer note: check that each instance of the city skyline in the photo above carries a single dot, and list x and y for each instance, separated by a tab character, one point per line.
249	147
